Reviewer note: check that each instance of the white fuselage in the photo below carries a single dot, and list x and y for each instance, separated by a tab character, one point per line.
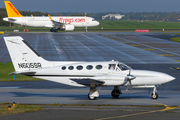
78	77
42	21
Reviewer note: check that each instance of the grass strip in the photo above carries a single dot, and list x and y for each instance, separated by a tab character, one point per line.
18	108
6	68
176	39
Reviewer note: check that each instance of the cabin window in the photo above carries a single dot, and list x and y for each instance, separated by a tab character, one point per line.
112	66
70	67
79	67
64	67
89	67
98	67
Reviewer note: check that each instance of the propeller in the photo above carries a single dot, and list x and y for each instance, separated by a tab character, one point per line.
129	77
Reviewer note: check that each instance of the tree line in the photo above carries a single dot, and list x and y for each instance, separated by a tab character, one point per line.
160	16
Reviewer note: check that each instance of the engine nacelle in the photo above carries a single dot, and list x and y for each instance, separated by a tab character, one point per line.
67	27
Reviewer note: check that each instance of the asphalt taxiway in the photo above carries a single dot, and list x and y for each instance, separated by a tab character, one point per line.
99	113
135	49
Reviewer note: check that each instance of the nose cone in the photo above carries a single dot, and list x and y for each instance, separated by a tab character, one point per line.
169	78
5	19
97	23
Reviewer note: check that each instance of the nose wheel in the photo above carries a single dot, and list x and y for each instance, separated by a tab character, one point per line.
154	95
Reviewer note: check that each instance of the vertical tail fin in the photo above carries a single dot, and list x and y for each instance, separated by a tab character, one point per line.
22	55
11	10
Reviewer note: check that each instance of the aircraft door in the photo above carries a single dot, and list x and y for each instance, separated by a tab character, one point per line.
24	21
87	20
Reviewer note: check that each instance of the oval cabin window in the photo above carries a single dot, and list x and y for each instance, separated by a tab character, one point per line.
98	67
79	67
89	67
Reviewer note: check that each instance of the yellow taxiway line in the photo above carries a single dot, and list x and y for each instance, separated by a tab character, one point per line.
165	109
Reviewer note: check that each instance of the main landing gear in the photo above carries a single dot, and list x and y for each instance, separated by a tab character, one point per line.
53	30
154	95
116	92
86	29
93	93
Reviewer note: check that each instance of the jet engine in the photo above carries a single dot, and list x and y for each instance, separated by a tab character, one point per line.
67	27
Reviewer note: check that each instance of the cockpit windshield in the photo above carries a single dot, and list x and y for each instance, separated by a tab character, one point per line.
123	67
93	19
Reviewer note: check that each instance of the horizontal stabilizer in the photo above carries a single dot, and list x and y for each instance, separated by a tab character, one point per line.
24	73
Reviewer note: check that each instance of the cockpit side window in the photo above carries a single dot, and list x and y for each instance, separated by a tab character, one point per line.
93	19
123	67
112	66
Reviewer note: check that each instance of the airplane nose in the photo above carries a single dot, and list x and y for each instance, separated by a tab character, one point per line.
169	78
97	22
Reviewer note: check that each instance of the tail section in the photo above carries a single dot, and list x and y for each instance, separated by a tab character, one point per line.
23	56
11	10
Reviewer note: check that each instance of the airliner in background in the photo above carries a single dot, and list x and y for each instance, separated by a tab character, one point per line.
67	23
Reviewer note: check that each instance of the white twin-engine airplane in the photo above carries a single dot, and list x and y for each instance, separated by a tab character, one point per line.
67	23
28	62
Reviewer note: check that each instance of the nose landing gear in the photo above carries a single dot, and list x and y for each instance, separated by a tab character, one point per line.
154	95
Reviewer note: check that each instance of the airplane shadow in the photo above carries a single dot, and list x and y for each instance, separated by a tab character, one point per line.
80	96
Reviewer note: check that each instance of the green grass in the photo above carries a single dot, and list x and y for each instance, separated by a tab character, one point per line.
176	39
18	108
130	24
111	25
7	68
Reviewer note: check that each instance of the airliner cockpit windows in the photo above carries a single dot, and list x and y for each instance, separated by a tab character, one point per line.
89	67
70	67
93	20
123	67
98	67
79	67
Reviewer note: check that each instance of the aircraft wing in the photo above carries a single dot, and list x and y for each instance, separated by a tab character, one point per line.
102	79
87	80
55	22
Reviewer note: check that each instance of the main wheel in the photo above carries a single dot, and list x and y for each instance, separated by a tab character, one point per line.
55	30
51	30
114	94
91	98
154	96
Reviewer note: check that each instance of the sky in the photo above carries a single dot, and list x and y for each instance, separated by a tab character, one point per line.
96	6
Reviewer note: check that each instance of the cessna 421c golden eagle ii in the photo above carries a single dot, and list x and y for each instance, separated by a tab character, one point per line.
67	23
28	62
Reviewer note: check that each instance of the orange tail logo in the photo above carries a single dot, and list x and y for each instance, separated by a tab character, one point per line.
11	10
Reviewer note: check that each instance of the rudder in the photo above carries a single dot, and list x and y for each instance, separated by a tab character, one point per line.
11	10
22	55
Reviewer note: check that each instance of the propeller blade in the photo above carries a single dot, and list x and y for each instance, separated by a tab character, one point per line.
130	85
127	88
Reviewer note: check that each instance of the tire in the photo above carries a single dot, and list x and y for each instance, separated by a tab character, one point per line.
55	30
91	98
114	94
51	30
154	97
